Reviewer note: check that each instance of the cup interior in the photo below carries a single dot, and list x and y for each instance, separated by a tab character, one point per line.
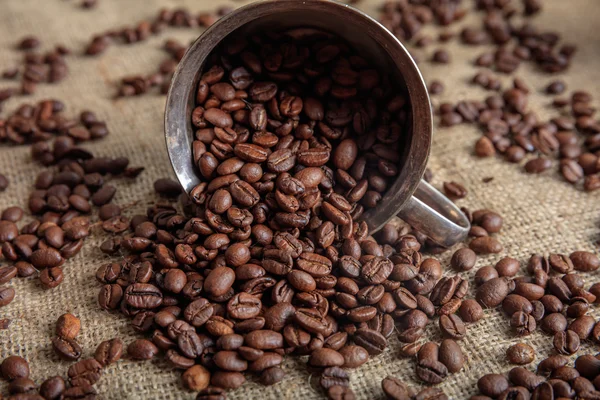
371	40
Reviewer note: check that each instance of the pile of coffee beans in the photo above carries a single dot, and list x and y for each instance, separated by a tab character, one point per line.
552	295
516	133
514	44
44	121
509	127
273	261
36	68
64	193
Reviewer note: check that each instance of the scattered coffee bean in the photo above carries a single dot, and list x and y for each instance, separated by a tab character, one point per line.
520	354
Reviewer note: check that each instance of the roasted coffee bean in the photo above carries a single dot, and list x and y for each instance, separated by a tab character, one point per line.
395	389
51	277
587	365
554	323
52	388
354	356
507	267
514	302
566	342
485	274
68	326
67	349
583	326
142	349
109	352
451	355
522	323
520	354
196	378
46	258
431	371
523	377
493	292
14	367
452	326
584	261
485	245
372	341
463	259
470	311
551	363
85	372
143	295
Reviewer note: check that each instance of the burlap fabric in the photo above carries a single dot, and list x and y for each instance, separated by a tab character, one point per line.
541	213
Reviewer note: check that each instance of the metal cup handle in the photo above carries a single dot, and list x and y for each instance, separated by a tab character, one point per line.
433	214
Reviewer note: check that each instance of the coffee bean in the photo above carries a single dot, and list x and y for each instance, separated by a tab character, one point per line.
537	165
21	386
455	190
587	365
14	367
67	349
485	245
485	274
110	296
338	392
78	392
370	340
68	326
583	326
520	354
470	311
514	303
554	323
46	258
213	393
85	372
463	259
52	388
51	277
451	355
523	377
109	352
431	371
507	267
7	273
452	326
566	342
492	292
522	323
584	261
143	295
326	358
394	389
354	356
196	378
142	349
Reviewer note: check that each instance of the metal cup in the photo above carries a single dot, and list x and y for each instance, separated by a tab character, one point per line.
409	197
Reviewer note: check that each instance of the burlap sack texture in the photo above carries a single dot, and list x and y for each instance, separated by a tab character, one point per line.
542	213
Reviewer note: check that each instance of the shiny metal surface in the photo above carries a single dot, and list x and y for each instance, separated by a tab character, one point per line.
383	49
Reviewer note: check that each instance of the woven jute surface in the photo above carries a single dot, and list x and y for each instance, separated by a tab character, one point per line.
541	213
